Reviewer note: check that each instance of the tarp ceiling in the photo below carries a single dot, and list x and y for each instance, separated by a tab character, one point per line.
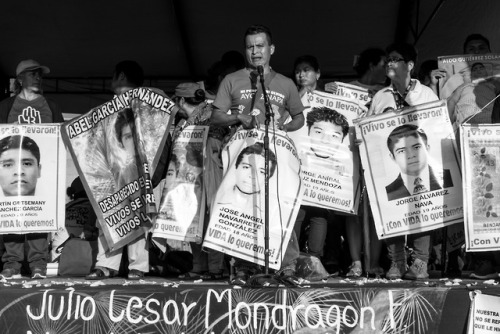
180	39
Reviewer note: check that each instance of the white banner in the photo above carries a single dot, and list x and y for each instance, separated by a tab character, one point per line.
480	160
330	159
412	170
182	206
32	178
237	222
484	315
116	147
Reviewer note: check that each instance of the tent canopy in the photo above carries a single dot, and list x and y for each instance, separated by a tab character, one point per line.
178	40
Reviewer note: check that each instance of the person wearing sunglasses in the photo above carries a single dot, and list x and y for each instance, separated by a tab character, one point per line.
403	92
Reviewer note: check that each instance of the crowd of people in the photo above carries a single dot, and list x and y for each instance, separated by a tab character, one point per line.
334	237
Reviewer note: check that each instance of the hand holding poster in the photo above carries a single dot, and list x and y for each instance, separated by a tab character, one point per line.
480	161
411	169
32	198
237	222
182	205
108	145
470	85
330	164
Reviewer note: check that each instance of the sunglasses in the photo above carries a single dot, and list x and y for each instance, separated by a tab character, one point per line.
393	60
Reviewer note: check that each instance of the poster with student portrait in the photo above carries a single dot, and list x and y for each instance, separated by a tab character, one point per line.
480	146
182	205
237	217
32	178
330	160
412	169
470	86
114	147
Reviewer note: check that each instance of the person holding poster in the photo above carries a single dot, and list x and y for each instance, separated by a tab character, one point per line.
27	106
306	74
327	129
370	67
127	75
467	99
193	110
20	169
241	93
404	91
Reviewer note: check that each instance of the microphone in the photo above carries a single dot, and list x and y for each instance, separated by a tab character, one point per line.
260	70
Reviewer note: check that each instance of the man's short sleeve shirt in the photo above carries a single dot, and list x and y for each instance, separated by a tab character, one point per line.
238	90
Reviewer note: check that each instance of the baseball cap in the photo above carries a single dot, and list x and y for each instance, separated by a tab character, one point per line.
186	89
30	65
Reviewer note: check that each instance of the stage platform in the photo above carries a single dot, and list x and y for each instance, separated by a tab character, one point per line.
159	305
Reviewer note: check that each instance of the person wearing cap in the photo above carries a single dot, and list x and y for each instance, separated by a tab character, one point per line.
28	105
190	100
127	75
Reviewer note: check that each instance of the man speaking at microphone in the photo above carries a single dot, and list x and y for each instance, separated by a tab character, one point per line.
241	93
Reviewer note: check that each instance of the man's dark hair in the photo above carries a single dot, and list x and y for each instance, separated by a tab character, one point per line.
124	117
258	149
407	51
132	70
426	68
258	29
20	142
476	37
308	59
371	56
325	114
404	131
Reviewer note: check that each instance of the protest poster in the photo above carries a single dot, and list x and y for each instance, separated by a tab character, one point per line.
330	160
237	217
484	315
32	178
115	147
470	86
182	206
353	92
480	154
412	169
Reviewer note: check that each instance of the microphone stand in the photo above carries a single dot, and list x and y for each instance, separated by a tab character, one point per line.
265	280
269	117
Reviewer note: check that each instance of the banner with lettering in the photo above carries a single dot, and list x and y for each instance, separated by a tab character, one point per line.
237	217
182	206
149	308
115	147
480	146
412	169
484	315
330	160
470	86
349	91
32	178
